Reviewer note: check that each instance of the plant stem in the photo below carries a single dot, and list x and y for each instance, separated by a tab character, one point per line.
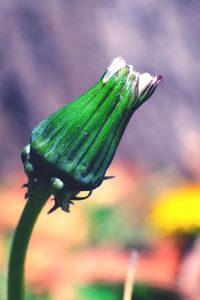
38	198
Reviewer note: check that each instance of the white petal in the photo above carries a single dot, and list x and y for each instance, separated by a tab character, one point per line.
114	67
144	80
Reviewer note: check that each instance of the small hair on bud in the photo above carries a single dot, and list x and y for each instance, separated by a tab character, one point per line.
114	67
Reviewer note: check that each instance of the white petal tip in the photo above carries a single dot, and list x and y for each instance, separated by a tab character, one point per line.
114	67
144	81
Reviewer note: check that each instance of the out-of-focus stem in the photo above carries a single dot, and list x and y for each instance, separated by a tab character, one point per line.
130	276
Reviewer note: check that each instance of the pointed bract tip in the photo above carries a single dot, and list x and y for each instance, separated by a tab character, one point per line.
160	78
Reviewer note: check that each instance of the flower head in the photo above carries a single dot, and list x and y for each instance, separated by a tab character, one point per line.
177	210
73	147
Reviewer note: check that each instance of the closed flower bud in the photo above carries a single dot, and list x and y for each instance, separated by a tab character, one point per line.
72	148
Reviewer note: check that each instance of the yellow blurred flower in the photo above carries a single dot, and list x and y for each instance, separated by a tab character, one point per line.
178	209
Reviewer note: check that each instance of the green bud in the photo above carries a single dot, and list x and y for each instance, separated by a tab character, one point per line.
77	143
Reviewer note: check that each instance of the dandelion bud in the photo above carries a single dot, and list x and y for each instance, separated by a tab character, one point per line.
75	145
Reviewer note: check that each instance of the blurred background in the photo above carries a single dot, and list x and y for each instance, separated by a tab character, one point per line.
50	53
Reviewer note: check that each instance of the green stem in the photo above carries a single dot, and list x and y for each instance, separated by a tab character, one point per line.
35	203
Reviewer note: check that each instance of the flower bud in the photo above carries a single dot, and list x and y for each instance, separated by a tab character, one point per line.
77	143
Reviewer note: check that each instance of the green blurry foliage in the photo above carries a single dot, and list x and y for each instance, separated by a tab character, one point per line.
112	224
111	291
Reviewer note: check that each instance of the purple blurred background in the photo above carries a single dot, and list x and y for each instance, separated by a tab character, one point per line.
53	51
